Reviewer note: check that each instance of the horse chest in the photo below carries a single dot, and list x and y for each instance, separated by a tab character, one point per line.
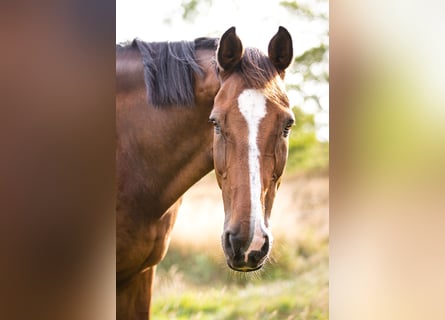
149	242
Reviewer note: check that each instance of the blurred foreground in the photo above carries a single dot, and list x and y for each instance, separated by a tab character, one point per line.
194	282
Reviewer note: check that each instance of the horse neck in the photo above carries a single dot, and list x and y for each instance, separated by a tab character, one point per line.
161	152
186	155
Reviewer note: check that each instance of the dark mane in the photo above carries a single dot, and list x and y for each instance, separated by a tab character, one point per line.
169	69
123	45
259	73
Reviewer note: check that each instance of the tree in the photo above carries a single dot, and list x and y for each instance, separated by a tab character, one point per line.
310	82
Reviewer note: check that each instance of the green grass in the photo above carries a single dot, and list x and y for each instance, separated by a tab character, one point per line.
197	286
304	297
306	152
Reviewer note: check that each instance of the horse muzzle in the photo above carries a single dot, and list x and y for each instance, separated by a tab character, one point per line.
242	259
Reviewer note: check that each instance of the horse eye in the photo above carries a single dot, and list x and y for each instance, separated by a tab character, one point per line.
216	125
286	130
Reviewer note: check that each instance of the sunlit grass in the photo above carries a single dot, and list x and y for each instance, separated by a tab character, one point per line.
303	297
291	286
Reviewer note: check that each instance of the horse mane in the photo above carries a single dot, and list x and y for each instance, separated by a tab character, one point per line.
259	72
169	68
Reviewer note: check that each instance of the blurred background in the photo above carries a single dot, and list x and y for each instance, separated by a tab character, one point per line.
193	281
387	177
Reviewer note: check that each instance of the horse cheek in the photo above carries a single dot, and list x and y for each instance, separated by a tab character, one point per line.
281	151
219	158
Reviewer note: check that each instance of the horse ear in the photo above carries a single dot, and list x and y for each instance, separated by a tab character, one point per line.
280	49
230	50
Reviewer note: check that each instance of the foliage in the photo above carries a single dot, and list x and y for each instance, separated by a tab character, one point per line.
302	10
304	62
306	152
190	8
309	78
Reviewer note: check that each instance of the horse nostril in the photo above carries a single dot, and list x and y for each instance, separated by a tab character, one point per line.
230	250
265	247
255	257
233	244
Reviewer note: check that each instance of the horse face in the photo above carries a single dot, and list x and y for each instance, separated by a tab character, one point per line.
252	119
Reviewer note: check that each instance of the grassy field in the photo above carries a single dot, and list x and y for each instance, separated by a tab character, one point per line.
193	281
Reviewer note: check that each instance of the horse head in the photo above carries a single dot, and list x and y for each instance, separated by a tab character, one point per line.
252	118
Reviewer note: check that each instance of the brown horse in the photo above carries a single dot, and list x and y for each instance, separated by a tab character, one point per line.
165	145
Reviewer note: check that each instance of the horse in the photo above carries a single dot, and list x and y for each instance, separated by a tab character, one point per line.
183	109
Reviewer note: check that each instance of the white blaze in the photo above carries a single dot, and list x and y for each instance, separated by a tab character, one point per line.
252	105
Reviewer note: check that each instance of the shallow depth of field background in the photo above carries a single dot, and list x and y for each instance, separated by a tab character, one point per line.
193	281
